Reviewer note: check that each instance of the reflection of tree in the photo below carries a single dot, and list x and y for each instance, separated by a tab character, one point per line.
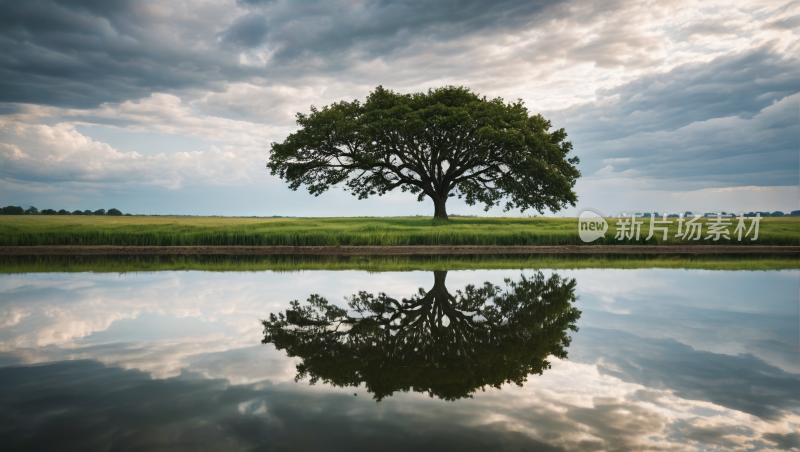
447	345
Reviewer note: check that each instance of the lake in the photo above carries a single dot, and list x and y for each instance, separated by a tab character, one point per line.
576	360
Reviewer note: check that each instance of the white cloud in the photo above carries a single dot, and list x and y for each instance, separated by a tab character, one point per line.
37	152
240	99
59	153
166	113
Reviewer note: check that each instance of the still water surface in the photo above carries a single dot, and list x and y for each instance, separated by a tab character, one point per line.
579	360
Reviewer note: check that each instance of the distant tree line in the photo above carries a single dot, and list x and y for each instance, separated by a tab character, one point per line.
16	210
777	213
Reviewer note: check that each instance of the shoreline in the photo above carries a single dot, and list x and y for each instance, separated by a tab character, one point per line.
112	250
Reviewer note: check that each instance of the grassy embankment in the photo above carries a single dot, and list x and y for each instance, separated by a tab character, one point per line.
120	264
160	231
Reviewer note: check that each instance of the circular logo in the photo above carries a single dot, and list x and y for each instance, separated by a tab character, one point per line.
591	225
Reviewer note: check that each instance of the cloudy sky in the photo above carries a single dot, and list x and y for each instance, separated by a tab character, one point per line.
170	106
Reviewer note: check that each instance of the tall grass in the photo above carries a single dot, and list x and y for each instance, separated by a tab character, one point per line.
122	264
215	231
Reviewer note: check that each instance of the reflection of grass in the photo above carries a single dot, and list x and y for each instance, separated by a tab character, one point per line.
101	264
89	230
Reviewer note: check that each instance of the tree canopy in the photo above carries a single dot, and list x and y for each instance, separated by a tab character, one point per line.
13	210
443	143
448	345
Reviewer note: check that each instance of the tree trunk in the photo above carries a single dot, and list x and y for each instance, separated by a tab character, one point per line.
438	282
440	210
440	298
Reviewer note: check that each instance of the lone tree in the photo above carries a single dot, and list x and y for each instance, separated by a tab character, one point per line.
443	143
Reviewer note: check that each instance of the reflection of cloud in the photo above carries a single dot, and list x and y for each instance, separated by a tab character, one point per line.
169	317
613	283
83	405
707	310
245	365
608	305
158	322
190	344
135	327
743	383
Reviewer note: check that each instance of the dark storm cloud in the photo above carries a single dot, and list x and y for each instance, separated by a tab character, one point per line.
248	31
83	53
718	435
733	85
733	151
787	441
328	29
743	382
663	121
255	2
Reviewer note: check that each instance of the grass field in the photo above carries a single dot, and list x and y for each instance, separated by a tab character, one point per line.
106	264
158	231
